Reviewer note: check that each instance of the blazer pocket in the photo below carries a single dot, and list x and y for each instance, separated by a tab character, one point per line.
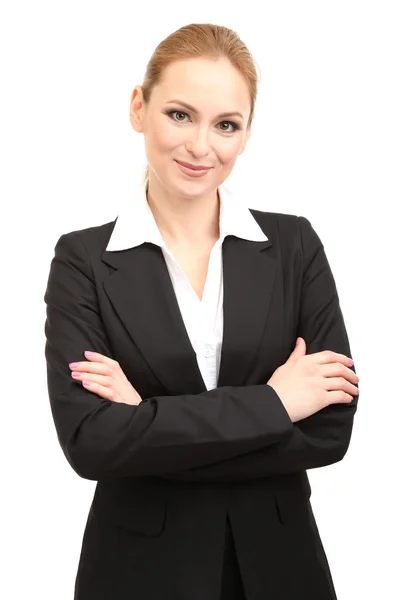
292	505
131	507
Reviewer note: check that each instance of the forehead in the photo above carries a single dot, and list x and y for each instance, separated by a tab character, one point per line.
200	79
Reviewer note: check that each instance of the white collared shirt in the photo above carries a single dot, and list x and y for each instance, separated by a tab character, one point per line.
203	318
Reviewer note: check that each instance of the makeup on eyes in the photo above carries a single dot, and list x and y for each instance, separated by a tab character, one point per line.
236	126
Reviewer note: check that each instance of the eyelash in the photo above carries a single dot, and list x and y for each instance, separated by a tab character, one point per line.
235	126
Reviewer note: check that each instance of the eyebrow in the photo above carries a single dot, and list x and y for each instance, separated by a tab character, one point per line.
192	108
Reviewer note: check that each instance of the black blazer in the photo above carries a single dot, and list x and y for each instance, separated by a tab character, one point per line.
171	470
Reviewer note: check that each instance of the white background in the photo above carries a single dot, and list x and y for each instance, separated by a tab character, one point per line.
325	144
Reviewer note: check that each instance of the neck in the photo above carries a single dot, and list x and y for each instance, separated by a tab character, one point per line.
184	220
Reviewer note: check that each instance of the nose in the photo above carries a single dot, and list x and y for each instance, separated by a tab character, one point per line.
198	142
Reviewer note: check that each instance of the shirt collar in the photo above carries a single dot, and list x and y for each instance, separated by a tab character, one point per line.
136	225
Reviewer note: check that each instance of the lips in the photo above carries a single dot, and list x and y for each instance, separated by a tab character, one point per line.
194	167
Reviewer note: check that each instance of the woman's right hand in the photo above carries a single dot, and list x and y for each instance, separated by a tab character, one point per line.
306	383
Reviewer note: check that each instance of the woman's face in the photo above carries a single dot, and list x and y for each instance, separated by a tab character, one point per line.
198	135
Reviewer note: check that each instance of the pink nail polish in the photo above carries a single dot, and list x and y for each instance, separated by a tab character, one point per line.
88	353
87	382
73	365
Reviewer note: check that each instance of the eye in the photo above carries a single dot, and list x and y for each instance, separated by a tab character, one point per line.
234	125
178	112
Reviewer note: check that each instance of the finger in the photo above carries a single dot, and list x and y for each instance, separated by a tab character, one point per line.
97	357
91	367
339	370
340	384
339	397
100	390
328	356
103	380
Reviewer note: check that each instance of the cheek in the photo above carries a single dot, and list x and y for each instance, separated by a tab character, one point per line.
161	137
160	140
228	152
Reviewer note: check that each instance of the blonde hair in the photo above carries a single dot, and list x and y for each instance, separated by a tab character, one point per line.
201	41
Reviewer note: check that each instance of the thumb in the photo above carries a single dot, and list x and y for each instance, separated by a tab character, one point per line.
299	349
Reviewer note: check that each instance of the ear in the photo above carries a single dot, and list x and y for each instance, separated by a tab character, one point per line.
136	109
246	139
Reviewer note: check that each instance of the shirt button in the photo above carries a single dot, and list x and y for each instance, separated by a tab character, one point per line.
208	351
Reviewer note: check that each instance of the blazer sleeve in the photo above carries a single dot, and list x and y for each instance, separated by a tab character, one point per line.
163	434
323	438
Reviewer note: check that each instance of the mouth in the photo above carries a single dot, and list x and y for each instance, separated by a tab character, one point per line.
193	167
193	170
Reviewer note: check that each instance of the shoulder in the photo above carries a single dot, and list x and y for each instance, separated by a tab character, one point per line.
274	219
93	238
285	227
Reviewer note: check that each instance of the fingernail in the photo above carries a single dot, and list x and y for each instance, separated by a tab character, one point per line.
73	365
87	382
88	353
351	361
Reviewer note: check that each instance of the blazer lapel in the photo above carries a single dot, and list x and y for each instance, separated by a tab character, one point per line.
249	275
142	294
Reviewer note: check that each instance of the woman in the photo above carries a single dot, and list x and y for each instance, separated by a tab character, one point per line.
195	413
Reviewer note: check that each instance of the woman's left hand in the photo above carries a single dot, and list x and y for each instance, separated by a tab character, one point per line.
103	376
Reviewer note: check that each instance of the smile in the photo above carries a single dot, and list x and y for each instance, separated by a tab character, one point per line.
193	172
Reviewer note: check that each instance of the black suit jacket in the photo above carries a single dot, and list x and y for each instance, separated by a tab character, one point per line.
171	470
